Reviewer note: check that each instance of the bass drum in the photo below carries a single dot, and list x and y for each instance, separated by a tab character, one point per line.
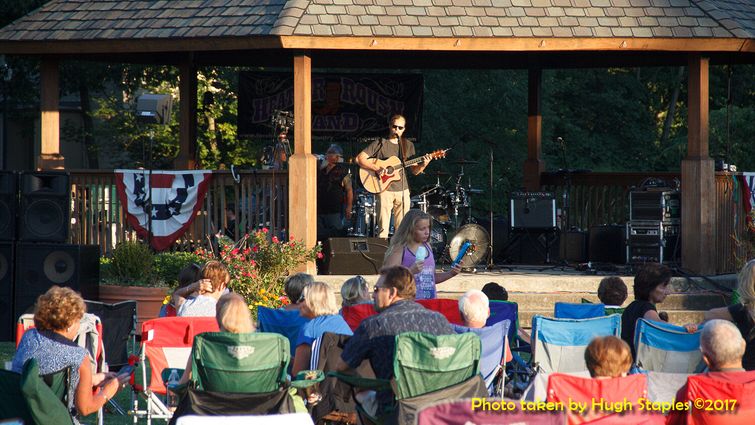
438	240
478	237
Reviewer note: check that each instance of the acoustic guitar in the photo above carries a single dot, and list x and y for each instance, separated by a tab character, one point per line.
374	183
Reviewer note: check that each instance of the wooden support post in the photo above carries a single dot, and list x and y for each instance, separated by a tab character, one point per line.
49	101
187	138
534	165
302	166
698	177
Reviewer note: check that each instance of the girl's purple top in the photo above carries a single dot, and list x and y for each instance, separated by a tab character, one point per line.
425	279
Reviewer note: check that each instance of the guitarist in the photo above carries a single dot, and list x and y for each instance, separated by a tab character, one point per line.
395	199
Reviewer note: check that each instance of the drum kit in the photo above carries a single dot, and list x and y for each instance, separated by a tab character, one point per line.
451	211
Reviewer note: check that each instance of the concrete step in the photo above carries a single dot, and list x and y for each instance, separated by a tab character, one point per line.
675	317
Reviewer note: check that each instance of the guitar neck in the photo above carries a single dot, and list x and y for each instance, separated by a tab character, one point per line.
409	163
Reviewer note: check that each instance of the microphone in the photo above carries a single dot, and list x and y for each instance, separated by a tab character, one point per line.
560	140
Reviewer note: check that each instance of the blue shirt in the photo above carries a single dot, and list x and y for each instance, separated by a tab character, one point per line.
314	329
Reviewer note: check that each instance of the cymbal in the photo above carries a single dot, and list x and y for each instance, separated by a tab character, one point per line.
464	162
438	173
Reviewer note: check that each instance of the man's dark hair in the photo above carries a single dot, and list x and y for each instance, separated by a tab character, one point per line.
648	277
612	291
495	292
402	279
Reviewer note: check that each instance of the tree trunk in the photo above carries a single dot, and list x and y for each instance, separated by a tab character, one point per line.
672	106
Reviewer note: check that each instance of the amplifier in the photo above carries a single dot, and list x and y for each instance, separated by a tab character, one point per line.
655	205
652	241
533	210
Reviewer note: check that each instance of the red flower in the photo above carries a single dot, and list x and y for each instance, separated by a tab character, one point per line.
275	239
320	256
255	248
291	238
235	251
264	230
247	251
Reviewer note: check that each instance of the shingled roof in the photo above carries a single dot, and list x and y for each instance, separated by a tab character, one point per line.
137	21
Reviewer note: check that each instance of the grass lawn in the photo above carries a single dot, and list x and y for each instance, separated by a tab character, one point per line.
123	398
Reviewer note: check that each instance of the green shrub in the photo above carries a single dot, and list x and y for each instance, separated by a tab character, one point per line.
168	264
130	265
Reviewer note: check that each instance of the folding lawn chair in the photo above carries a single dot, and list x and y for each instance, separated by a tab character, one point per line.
283	322
494	342
354	314
119	330
166	343
466	411
565	388
89	337
426	368
663	347
239	374
563	310
31	398
285	419
446	307
558	345
719	393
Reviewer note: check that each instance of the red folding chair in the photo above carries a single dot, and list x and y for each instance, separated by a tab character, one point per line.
446	307
166	343
353	315
718	394
569	388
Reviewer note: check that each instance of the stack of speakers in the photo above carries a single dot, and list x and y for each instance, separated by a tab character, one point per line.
653	231
34	223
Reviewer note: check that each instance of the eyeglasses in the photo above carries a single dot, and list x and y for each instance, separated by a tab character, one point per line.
375	288
398	127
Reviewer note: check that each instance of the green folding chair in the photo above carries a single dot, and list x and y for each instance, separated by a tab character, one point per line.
27	396
425	367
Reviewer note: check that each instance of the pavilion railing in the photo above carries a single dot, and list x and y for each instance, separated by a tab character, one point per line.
603	198
259	198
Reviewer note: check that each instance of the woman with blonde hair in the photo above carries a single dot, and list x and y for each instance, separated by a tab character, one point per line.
213	282
355	291
741	313
57	317
409	248
318	304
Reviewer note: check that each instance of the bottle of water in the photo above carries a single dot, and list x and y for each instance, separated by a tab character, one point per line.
170	385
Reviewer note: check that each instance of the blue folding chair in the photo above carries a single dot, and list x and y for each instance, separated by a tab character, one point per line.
578	311
663	347
505	310
493	339
283	322
558	345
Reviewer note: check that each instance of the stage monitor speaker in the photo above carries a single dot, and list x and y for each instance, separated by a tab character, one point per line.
607	244
8	205
40	266
533	210
45	207
574	246
530	247
7	320
352	256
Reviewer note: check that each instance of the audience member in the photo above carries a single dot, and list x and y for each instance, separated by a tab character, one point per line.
608	357
474	308
742	313
57	316
233	316
612	291
189	285
203	305
650	288
375	338
320	306
355	291
293	287
495	292
722	346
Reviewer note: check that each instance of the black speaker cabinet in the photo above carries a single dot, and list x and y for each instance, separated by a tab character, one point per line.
8	205
352	256
533	212
574	246
45	207
7	320
607	244
532	247
40	266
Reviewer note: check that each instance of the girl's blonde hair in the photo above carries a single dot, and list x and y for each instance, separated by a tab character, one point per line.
319	299
354	291
233	314
405	231
746	289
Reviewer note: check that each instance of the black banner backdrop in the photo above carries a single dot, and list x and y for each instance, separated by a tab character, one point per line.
344	106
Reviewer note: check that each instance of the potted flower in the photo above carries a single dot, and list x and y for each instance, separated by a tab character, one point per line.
134	272
259	262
